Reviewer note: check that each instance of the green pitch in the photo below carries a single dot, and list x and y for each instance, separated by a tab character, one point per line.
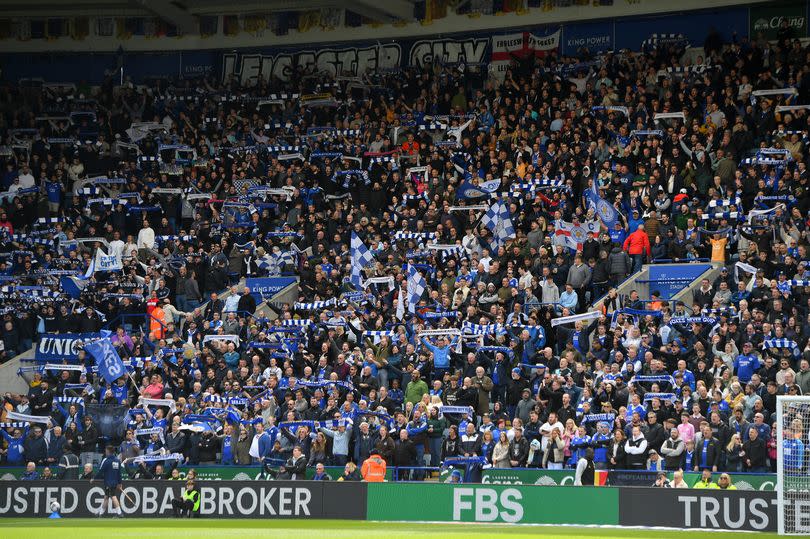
333	529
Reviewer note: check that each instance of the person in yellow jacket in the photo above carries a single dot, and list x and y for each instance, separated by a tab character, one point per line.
724	483
189	502
705	480
373	469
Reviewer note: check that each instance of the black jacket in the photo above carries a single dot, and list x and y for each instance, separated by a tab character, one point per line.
404	453
519	451
755	453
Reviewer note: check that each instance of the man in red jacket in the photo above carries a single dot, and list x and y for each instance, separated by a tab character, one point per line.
636	245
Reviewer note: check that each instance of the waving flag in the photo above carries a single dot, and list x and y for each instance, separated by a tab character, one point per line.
361	257
603	209
416	287
570	235
110	366
499	221
468	190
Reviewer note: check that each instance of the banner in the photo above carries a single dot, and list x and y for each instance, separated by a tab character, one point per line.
519	44
110	419
477	503
767	19
108	263
708	509
61	347
227	499
263	288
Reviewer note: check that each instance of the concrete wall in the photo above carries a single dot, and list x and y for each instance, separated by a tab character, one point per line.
9	381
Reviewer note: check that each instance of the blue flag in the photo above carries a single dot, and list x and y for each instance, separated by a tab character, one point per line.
603	209
484	189
110	366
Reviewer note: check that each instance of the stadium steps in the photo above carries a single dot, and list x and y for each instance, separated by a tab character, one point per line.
637	282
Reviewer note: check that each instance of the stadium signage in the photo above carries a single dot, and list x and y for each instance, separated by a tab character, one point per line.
225	499
492	503
449	51
62	346
715	509
263	288
768	19
487	504
348	61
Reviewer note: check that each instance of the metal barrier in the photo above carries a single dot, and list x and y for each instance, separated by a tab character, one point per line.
684	261
528	307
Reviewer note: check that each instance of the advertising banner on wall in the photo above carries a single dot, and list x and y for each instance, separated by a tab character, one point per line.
262	288
596	37
490	503
669	279
61	346
708	509
768	18
226	499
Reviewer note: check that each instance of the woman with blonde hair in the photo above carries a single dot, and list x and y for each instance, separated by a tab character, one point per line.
487	446
735	396
569	434
734	454
500	453
554	456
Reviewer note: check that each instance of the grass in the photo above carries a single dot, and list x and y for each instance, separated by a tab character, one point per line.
107	528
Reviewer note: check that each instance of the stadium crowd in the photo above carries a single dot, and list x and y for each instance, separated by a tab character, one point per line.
451	233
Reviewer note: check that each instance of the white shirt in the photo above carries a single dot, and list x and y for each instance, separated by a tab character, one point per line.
26	181
254	447
117	248
146	238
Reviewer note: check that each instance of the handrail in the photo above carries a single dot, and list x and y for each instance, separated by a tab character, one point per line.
678	260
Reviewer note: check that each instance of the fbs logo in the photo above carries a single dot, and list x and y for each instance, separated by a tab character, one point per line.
486	505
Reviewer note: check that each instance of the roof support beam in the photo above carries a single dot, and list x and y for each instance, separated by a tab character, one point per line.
185	22
385	11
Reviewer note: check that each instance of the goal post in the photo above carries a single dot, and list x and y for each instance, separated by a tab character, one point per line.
792	464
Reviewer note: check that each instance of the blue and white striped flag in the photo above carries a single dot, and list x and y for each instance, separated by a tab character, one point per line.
499	221
416	287
361	257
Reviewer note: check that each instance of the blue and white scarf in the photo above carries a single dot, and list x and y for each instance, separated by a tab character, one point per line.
782	344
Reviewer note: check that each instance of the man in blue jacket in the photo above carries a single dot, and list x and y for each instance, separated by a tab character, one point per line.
14	452
441	355
110	473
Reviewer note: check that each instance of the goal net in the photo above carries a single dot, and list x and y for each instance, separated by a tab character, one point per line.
793	464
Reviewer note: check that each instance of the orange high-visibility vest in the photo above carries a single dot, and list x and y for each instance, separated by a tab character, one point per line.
373	469
157	323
